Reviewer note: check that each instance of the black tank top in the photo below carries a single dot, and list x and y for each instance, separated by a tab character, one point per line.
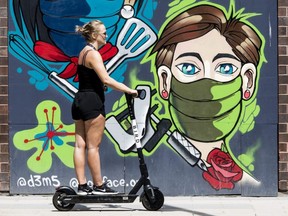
89	80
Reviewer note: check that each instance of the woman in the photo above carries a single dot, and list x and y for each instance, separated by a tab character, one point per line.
88	107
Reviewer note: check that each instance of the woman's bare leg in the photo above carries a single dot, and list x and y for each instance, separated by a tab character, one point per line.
94	133
80	151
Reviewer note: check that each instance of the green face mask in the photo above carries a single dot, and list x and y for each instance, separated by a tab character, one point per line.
205	110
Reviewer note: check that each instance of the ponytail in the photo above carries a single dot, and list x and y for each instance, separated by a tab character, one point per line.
88	29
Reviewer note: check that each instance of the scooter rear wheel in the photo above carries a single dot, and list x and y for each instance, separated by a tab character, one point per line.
58	202
157	204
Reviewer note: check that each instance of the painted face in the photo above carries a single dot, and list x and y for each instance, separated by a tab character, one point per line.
205	92
209	56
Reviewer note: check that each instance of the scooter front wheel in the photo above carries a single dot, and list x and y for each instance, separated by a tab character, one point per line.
156	204
59	203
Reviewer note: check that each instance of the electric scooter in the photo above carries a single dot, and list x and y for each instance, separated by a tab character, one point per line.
152	198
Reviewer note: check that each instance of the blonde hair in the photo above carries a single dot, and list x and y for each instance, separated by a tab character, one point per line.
87	29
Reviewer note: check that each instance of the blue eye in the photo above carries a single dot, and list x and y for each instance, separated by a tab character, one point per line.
226	69
188	69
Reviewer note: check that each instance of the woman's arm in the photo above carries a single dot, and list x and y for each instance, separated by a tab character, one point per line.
95	61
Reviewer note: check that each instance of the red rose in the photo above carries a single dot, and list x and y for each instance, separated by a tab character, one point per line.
223	172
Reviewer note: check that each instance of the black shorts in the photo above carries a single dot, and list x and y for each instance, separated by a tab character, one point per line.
87	105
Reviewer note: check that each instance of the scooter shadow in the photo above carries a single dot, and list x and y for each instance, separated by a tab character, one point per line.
115	207
104	208
169	208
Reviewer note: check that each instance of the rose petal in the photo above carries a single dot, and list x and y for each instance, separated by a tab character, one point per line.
223	155
239	175
225	173
225	165
216	184
212	154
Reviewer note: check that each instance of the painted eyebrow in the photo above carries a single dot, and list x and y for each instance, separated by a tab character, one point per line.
224	55
196	55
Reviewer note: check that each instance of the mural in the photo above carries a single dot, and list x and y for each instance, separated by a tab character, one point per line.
209	116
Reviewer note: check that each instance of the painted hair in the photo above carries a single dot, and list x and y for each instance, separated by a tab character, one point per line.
29	16
87	29
198	21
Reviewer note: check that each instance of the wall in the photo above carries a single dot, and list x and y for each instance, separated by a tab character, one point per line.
4	155
282	93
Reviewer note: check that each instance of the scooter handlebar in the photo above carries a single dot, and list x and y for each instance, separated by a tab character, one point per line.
141	93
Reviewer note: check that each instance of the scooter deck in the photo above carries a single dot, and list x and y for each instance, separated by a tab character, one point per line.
105	198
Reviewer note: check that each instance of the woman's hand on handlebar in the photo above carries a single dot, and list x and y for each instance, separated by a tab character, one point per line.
134	93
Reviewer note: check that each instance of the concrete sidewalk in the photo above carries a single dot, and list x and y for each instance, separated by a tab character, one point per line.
39	205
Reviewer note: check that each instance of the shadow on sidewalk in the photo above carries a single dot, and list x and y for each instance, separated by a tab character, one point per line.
167	208
119	207
104	208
